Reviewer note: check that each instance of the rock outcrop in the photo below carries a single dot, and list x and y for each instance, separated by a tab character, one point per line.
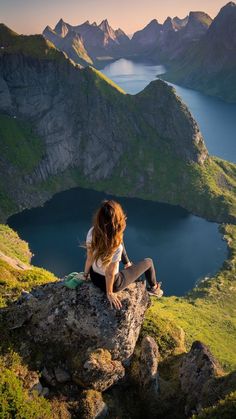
198	368
148	367
78	330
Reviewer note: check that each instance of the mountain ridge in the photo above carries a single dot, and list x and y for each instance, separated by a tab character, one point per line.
94	148
210	65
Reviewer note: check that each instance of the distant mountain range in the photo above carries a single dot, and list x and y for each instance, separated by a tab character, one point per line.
86	42
210	64
102	41
198	52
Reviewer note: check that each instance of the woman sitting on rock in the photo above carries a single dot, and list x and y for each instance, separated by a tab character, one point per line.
105	249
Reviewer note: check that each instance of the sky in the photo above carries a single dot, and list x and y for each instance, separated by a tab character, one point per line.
31	16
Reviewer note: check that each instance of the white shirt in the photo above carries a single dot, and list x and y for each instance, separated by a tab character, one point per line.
97	266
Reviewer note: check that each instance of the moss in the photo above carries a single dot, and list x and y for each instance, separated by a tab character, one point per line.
91	404
16	402
224	409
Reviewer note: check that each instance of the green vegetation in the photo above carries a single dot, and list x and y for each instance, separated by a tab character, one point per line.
34	45
224	409
103	82
207	313
19	145
15	401
189	71
16	273
12	246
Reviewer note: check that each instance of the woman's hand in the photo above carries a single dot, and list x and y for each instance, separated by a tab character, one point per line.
114	301
127	265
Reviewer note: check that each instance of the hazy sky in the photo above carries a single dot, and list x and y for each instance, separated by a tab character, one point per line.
31	16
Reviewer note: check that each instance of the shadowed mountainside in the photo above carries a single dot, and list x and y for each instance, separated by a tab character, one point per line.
79	129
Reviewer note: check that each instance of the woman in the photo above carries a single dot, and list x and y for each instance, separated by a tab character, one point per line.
105	249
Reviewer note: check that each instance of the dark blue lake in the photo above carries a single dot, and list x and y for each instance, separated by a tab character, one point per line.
216	118
184	247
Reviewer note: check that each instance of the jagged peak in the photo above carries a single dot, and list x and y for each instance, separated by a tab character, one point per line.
168	24
152	22
199	16
228	8
229	4
104	25
6	30
48	28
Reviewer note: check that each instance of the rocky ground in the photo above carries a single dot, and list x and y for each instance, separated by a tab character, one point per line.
88	355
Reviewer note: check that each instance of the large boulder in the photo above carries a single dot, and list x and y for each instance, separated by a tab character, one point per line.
76	329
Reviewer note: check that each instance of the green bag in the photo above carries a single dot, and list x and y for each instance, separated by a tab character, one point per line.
74	280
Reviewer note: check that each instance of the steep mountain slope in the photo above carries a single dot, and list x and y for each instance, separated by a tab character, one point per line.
147	36
90	131
178	35
71	43
99	40
210	65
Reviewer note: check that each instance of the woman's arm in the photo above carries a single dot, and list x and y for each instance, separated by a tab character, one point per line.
124	258
88	263
110	276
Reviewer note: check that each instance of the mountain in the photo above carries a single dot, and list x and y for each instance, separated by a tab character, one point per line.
180	23
177	36
149	34
121	36
61	28
210	66
79	128
71	43
99	40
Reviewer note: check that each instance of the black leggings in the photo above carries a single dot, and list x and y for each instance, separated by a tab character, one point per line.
125	277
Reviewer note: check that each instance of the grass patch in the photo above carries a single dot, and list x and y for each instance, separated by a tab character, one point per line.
19	145
207	314
33	45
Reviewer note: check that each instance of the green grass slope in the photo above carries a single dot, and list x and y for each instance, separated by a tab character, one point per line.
208	313
34	45
20	152
19	145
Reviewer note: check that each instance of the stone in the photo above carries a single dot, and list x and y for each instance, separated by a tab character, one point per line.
61	375
198	368
99	371
148	366
38	388
91	405
84	331
48	376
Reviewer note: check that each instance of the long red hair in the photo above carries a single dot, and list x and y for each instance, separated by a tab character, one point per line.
109	223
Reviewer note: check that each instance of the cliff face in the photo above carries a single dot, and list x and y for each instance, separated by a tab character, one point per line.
210	64
92	134
84	121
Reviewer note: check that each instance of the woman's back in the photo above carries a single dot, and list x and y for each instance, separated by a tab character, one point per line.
97	265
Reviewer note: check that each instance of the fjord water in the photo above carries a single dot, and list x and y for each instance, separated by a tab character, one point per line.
183	247
216	118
